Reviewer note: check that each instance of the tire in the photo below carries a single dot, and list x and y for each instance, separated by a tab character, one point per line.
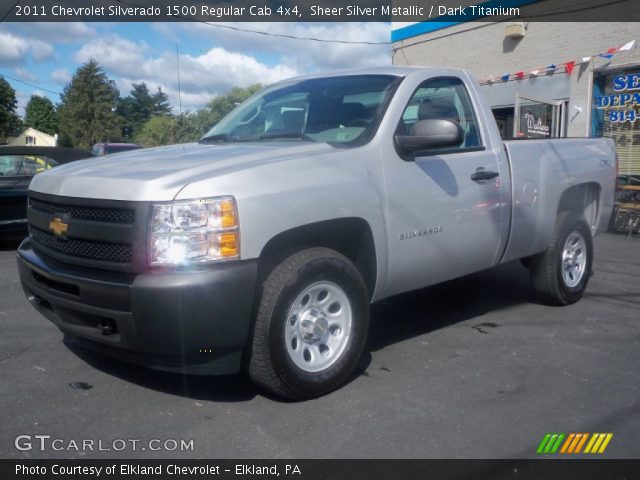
311	325
561	273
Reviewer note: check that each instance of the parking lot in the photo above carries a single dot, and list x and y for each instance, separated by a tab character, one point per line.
471	368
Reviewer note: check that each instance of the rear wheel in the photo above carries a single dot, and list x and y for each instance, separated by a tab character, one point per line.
311	325
561	273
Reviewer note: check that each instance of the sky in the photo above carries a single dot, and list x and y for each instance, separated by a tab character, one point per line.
212	60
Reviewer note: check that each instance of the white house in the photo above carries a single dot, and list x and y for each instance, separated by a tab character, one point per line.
31	136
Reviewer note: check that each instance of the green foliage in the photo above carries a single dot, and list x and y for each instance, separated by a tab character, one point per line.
139	106
161	105
9	121
92	111
217	108
189	127
167	130
41	115
87	113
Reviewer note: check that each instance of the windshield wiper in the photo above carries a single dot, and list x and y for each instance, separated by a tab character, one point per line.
219	137
294	135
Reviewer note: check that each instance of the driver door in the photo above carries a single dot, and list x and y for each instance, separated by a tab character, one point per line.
442	222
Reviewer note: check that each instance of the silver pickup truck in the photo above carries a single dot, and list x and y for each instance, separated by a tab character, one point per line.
261	247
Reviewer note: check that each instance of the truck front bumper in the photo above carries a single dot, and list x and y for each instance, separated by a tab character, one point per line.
189	321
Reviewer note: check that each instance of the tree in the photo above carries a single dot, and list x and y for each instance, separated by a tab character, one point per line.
217	108
139	106
87	113
164	129
161	105
167	130
41	115
9	120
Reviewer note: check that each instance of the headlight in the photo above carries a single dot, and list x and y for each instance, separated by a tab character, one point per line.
194	232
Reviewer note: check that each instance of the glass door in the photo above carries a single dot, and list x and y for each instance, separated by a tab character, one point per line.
536	118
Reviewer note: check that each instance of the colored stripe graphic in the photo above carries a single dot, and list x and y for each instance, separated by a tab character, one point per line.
574	442
550	443
598	442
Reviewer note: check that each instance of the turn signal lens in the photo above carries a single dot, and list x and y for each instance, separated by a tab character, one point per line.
228	217
225	245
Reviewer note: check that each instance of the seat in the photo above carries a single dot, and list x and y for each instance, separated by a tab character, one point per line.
444	107
351	112
293	120
326	116
438	108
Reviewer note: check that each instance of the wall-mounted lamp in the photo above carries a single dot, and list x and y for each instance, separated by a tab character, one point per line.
515	31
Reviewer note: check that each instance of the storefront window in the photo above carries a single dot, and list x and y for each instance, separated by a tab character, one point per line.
616	115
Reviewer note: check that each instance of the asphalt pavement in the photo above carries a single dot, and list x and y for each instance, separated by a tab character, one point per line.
473	368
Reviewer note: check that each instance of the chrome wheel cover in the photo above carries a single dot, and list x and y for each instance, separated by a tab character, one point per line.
574	259
318	326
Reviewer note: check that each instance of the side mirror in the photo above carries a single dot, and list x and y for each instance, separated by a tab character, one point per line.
430	134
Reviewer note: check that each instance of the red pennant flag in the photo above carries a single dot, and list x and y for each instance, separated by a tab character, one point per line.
612	50
569	67
519	75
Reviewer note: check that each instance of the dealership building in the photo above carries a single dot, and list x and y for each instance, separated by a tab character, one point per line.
544	79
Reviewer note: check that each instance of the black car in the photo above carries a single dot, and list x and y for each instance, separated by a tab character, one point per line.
18	165
103	148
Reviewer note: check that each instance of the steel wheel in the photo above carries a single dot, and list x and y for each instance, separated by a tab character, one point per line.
561	273
574	259
318	326
311	325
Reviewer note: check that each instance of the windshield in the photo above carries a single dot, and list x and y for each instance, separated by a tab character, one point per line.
341	110
24	165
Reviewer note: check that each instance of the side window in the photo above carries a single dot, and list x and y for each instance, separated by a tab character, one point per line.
444	97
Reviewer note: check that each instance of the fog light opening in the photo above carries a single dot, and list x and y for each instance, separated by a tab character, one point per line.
108	327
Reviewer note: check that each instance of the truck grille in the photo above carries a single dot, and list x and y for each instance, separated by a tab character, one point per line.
103	234
96	214
95	250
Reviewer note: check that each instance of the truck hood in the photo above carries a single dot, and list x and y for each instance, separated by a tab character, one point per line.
158	174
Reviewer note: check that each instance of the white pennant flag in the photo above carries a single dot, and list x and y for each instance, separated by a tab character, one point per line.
627	46
586	59
534	73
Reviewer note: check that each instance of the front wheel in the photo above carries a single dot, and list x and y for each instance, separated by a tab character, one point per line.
561	273
311	325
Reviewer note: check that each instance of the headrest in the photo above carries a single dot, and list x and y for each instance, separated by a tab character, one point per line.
293	118
438	108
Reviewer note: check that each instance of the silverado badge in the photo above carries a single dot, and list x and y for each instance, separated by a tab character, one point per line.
58	227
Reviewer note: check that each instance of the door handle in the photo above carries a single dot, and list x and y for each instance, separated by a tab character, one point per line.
482	174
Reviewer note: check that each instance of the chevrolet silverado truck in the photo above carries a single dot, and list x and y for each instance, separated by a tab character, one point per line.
261	247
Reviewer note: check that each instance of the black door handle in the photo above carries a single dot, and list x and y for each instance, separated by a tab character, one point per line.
482	174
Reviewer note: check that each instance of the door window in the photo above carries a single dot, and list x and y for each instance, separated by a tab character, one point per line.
447	98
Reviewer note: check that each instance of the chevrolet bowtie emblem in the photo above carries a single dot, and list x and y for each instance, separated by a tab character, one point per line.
58	227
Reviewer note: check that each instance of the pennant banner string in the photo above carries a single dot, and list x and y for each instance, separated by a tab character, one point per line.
567	67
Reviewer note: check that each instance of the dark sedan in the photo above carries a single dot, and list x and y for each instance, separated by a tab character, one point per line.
18	165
